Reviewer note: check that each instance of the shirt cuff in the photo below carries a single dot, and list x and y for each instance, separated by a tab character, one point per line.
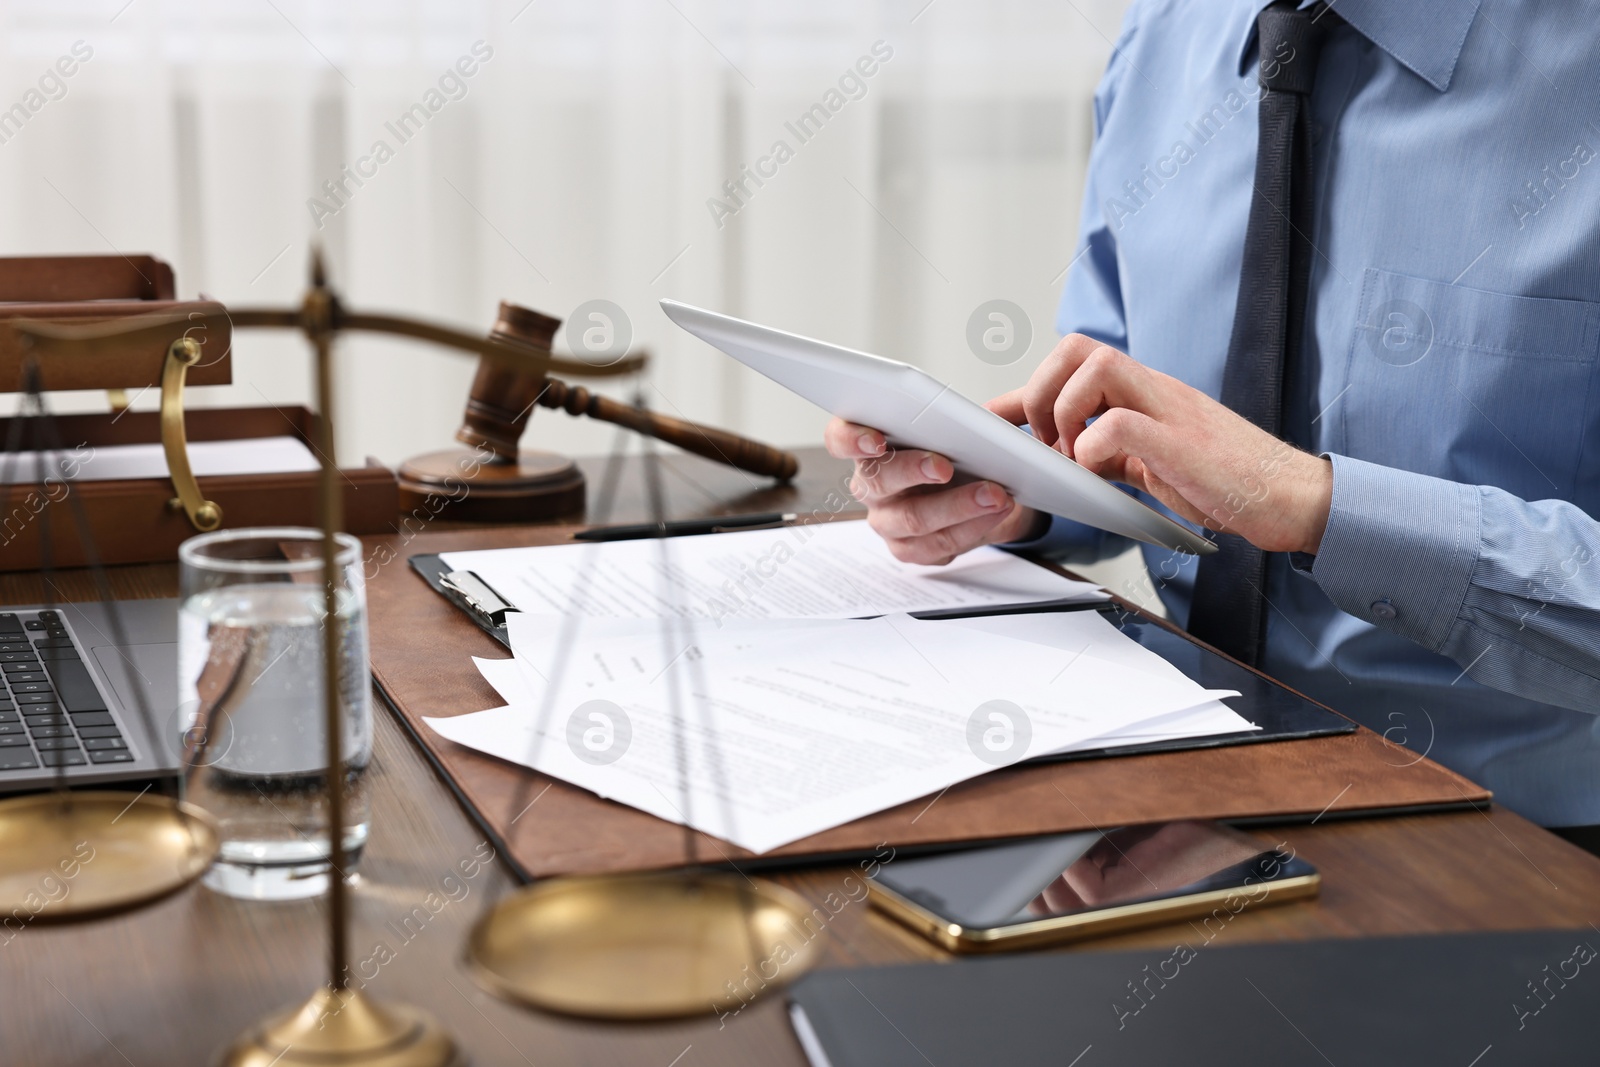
1399	550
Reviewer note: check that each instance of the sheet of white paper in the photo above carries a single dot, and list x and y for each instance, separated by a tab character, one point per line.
785	731
1086	631
610	650
539	639
1093	634
1082	631
834	570
517	685
1204	720
256	455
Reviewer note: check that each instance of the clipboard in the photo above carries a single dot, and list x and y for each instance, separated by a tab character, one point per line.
422	649
1280	713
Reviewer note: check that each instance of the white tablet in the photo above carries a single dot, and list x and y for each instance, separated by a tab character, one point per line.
914	410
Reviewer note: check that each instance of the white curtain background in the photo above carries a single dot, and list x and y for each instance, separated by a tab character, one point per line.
576	166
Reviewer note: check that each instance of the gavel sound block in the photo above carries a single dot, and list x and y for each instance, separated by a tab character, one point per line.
496	480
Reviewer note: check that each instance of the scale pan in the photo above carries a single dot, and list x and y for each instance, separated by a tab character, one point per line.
643	946
77	856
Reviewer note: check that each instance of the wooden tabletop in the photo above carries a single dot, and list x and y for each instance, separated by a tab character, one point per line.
172	984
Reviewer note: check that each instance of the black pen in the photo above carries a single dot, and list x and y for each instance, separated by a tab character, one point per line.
683	527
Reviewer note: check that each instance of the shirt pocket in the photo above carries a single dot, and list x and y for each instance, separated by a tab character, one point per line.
1474	386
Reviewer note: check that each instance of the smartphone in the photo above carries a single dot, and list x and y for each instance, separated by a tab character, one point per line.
1065	887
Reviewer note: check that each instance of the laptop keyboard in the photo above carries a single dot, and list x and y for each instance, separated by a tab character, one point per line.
51	711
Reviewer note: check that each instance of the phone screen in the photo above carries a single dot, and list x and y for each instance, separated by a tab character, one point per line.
1064	874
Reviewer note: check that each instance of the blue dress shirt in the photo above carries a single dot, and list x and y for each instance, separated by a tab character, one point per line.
1449	359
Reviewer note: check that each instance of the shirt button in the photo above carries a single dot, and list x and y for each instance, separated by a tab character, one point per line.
1384	610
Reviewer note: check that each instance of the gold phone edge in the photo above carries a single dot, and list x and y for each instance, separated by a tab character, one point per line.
1063	929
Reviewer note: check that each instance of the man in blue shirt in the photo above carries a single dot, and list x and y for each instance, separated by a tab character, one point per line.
1432	567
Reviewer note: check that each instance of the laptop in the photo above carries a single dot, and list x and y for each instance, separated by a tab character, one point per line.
69	699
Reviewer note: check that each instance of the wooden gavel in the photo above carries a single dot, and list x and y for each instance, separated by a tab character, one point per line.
503	399
518	485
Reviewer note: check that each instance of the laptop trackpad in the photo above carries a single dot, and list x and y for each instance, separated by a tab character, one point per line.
152	668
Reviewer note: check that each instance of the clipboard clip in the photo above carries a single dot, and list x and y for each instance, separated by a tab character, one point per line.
475	596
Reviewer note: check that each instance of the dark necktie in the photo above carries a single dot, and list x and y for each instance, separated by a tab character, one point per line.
1228	608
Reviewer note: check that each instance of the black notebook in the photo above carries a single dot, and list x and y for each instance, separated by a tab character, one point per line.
1465	1000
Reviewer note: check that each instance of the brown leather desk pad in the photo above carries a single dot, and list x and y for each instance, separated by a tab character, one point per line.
422	649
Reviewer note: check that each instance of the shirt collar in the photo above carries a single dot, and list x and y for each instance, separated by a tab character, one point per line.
1424	36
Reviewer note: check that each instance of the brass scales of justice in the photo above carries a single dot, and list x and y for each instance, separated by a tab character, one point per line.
628	946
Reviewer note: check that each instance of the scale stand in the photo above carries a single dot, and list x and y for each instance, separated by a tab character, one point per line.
338	1024
635	946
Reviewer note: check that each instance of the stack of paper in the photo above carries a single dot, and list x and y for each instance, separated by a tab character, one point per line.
251	455
835	570
761	729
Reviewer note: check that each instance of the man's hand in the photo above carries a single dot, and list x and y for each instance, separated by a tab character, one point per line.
921	522
1193	454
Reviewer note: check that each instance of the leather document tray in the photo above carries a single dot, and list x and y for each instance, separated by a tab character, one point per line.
131	519
422	649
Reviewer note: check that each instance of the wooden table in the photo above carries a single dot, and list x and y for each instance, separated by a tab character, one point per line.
172	984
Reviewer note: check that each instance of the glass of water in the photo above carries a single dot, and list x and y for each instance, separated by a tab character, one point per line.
252	713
